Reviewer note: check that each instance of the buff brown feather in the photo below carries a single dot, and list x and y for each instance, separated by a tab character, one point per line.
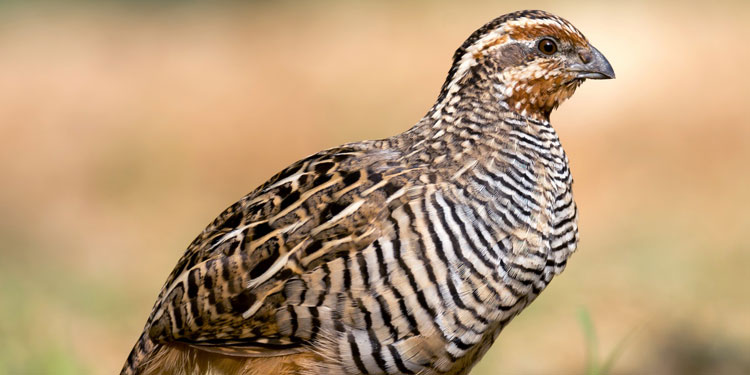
402	255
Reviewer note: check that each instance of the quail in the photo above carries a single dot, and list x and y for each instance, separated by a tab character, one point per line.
404	255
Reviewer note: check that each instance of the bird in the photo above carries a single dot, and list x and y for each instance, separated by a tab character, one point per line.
403	255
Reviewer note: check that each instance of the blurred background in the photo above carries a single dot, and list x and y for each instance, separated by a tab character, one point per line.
126	126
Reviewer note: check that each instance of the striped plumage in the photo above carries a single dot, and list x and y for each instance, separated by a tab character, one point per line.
402	255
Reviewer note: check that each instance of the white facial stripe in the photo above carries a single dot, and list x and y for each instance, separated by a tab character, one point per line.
489	41
468	60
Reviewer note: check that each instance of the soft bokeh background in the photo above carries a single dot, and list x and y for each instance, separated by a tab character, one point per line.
125	127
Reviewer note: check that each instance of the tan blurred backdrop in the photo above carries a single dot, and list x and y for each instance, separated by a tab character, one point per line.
125	127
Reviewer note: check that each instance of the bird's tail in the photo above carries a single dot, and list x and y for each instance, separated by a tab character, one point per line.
139	355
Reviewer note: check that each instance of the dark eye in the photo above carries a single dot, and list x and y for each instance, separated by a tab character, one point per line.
547	46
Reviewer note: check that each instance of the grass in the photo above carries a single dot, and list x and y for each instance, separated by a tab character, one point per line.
594	364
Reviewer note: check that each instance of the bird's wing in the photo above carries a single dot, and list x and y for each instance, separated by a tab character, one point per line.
225	291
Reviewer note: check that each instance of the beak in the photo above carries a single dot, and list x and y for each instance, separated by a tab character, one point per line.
593	65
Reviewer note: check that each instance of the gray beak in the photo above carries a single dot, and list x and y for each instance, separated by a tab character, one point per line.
593	65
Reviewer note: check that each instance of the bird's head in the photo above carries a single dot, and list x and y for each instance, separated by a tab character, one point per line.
531	60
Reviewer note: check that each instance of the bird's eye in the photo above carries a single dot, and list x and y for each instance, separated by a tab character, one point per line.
547	46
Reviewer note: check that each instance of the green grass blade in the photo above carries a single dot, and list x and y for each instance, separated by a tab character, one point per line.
589	335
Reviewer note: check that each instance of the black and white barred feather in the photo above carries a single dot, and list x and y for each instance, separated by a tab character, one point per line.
406	255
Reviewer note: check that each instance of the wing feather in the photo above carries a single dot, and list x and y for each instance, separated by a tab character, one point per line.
226	294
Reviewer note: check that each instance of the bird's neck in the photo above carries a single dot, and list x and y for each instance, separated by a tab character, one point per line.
520	89
473	125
